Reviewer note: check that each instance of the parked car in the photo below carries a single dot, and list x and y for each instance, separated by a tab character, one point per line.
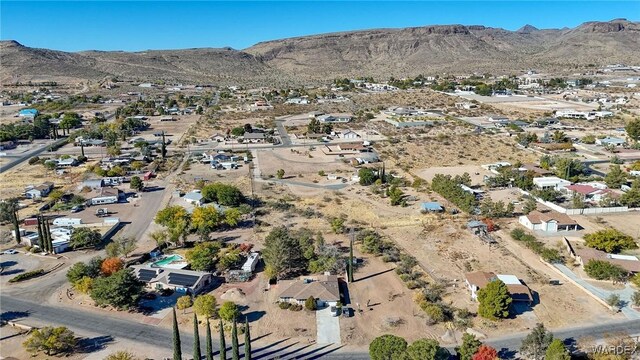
77	208
9	252
335	311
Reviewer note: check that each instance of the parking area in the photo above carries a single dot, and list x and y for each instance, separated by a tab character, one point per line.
328	327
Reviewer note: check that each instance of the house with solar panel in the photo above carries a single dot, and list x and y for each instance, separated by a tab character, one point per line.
179	280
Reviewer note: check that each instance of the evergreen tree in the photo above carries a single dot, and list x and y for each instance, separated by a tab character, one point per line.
82	148
235	350
41	241
163	150
470	346
177	349
247	340
47	233
223	343
209	345
350	265
196	339
495	300
534	345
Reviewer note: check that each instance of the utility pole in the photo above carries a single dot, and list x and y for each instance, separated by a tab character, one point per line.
350	265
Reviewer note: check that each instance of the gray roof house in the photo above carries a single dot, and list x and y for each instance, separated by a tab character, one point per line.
93	183
194	197
325	289
179	280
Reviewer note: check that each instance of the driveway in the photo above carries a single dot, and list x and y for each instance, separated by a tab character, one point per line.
328	327
625	294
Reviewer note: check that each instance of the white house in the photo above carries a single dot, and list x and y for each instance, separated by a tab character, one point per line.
40	191
194	197
335	118
479	279
551	182
548	221
349	134
610	141
106	196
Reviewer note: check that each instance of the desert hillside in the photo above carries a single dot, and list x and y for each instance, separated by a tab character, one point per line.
379	53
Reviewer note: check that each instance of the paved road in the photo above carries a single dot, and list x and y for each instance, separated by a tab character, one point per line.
588	163
85	322
284	136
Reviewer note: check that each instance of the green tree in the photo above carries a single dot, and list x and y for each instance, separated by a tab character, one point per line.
337	225
223	343
235	348
205	305
367	176
469	347
610	240
247	340
567	168
9	213
136	183
172	216
395	195
557	351
77	271
494	300
184	302
535	345
203	256
529	205
387	347
427	349
228	311
633	129
177	346
196	339
280	173
51	340
85	237
615	178
613	300
232	217
635	298
206	219
310	303
631	198
209	343
121	290
282	254
604	270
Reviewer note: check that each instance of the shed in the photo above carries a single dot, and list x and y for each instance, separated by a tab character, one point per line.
433	206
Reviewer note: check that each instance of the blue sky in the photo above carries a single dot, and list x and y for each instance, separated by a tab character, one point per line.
142	25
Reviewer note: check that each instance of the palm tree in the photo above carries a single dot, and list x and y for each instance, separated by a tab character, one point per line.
559	136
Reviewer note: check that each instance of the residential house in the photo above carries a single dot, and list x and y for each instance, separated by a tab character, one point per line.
349	134
335	118
93	184
107	196
582	255
180	280
218	137
28	114
40	191
537	170
428	207
68	162
477	280
551	182
610	141
254	137
194	197
498	119
550	221
325	289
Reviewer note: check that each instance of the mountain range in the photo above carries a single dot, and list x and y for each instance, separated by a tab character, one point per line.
380	53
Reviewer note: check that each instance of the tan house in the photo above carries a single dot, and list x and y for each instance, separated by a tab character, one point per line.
325	289
479	279
549	221
582	255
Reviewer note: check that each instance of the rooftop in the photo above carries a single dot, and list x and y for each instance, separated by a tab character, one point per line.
324	288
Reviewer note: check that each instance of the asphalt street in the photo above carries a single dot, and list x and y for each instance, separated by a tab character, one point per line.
95	323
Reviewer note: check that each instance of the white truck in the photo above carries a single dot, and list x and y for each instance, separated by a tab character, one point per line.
102	212
65	221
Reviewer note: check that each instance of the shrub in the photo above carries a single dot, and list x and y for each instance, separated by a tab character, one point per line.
310	304
603	270
284	305
295	307
27	276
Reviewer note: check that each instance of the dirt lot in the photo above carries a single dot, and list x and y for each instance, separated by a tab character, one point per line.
475	171
377	284
301	161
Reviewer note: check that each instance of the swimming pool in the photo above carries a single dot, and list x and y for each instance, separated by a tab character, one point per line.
172	261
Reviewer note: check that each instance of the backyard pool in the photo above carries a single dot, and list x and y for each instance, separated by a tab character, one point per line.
172	261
